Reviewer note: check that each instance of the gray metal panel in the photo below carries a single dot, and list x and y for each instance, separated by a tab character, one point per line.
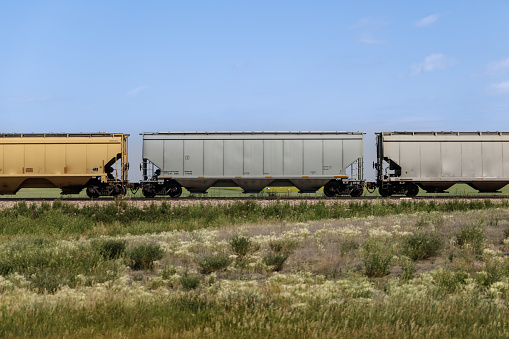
352	150
391	151
253	158
505	159
292	157
173	157
429	160
233	157
451	159
410	154
273	158
154	151
471	167
313	157
213	158
193	158
333	157
492	160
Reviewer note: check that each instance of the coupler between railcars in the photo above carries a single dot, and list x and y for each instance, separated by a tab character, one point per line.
337	187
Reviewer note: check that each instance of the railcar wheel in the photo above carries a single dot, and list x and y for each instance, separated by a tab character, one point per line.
412	190
174	191
356	192
148	191
119	190
329	190
385	192
93	191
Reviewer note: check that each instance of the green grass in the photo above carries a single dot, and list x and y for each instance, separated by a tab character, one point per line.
192	315
120	217
60	276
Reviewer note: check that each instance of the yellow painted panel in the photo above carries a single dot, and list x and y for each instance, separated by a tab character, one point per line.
14	159
55	159
1	159
113	150
34	159
97	157
76	158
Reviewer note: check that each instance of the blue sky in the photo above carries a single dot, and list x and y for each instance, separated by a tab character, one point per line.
148	66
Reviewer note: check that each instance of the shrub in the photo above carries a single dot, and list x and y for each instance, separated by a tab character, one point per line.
167	272
144	255
109	248
506	233
347	246
409	268
241	246
284	245
427	220
190	281
493	272
276	260
448	281
422	246
472	235
376	258
213	262
46	281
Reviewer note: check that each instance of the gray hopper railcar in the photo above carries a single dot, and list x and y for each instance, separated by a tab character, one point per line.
434	161
252	161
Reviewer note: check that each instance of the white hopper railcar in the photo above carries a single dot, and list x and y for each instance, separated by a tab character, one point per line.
252	161
434	161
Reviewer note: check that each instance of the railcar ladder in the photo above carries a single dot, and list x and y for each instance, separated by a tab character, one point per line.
357	169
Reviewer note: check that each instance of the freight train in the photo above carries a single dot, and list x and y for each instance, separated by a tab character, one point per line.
406	162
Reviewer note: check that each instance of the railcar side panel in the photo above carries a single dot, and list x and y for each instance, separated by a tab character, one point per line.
333	157
313	160
193	158
251	160
505	159
352	150
292	158
213	158
273	157
450	153
233	156
1	159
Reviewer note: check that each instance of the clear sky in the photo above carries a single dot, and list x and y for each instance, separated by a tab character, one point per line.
149	66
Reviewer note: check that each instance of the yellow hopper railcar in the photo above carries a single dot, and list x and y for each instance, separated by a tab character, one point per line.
71	162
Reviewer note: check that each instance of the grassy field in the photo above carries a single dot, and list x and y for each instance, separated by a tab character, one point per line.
247	269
